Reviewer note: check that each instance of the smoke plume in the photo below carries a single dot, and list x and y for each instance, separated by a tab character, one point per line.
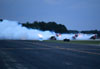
13	30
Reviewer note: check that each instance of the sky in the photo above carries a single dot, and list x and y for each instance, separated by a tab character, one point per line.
74	14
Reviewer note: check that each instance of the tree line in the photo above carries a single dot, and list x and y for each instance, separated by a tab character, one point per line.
51	26
92	32
58	28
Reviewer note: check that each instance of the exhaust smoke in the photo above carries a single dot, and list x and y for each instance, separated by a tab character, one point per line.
13	30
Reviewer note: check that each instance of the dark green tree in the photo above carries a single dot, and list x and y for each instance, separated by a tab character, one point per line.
51	26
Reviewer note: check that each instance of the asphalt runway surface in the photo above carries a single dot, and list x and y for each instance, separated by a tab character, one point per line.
24	54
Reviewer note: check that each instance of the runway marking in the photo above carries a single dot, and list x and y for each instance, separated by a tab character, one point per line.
71	49
45	48
53	47
25	48
80	51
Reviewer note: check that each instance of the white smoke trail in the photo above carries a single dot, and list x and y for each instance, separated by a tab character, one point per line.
84	36
13	30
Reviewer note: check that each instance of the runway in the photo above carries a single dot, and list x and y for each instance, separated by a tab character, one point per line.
28	54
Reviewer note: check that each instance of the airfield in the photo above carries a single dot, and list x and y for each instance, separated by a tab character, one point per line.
29	54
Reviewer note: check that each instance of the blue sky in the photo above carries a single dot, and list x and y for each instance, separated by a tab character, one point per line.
74	14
